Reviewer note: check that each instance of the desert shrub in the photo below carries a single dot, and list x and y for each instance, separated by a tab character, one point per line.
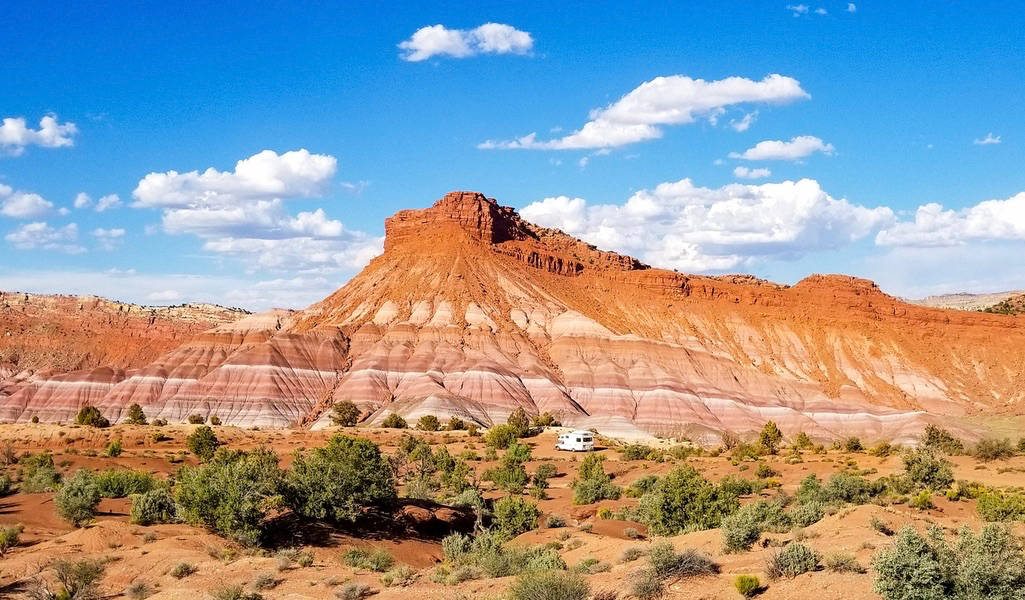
882	449
135	415
668	564
988	564
684	500
401	575
183	570
555	521
10	535
743	528
203	443
641	486
114	449
593	484
545	420
842	562
354	591
852	444
341	480
994	505
455	546
542	474
428	423
121	483
35	418
942	440
215	420
232	494
646	585
264	581
807	513
197	419
344	413
394	421
737	486
90	415
747	585
764	471
993	449
549	585
154	506
844	487
5	484
927	468
160	422
72	580
632	533
500	436
378	560
770	437
880	525
634	452
795	558
922	501
76	500
591	566
233	592
510	475
519	421
744	451
631	554
513	516
139	590
8	455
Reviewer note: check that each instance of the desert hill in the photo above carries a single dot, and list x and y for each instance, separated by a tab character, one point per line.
472	311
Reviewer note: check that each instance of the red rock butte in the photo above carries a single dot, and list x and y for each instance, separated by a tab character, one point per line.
473	312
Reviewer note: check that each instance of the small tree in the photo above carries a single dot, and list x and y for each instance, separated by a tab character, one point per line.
345	413
39	473
510	476
9	538
114	448
927	468
428	423
455	424
76	500
514	516
90	416
682	500
75	580
500	436
197	419
203	443
519	421
770	437
593	484
394	421
154	506
544	472
135	415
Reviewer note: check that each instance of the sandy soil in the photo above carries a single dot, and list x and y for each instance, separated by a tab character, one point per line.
148	554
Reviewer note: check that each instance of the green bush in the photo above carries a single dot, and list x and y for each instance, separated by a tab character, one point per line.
394	421
354	591
926	468
993	449
549	585
808	513
593	484
39	473
642	486
922	501
72	580
513	516
5	484
545	420
233	592
10	536
90	416
345	413
114	448
135	415
428	423
203	443
794	559
646	585
844	487
743	528
542	474
232	494
519	421
510	475
942	440
684	500
215	420
197	419
121	483
401	575
668	564
764	471
500	436
338	482
154	506
843	562
378	560
852	444
634	452
76	500
1001	506
770	437
747	585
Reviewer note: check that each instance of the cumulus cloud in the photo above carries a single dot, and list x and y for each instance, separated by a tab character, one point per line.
798	9
986	141
82	200
108	202
41	236
16	134
851	7
243	212
796	149
746	173
692	228
672	100
108	239
988	221
489	38
23	205
745	122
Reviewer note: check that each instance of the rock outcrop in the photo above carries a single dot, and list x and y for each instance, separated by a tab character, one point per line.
471	311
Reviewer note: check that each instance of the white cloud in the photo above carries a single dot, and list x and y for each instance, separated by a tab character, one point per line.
242	213
796	149
108	239
108	202
672	100
798	9
489	38
746	173
41	236
22	205
83	200
16	135
821	11
851	7
164	296
744	123
680	225
988	221
989	139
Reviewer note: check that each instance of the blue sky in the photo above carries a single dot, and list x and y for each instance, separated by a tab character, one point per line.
882	140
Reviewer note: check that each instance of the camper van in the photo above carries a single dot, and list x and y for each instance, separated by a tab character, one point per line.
576	441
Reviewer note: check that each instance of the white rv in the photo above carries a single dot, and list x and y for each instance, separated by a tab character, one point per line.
576	441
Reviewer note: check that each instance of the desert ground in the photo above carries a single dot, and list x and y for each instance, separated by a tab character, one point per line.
136	554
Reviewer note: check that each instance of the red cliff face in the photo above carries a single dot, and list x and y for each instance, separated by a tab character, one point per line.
473	312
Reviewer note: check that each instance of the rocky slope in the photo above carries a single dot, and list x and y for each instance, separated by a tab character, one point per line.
966	301
471	311
1015	305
